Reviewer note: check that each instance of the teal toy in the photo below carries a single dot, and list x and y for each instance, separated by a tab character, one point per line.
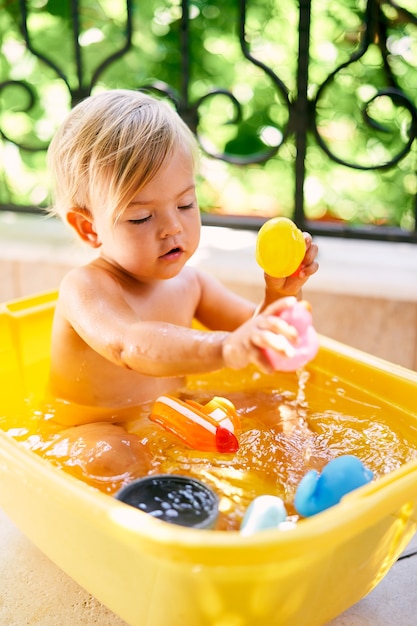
264	512
317	492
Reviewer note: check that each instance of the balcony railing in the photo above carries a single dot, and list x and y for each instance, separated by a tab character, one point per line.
310	104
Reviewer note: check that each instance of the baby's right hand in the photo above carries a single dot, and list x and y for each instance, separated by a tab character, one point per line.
245	345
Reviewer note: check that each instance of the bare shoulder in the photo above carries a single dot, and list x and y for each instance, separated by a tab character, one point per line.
87	289
90	282
190	280
86	277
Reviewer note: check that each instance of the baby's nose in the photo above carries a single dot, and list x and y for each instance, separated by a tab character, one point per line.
171	226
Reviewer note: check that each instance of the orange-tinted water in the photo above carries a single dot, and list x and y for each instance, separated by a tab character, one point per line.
285	432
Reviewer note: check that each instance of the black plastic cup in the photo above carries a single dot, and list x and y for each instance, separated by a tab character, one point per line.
175	499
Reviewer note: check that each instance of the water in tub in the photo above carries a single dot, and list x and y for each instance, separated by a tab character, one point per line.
290	423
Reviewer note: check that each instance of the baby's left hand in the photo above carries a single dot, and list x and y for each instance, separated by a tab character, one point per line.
291	285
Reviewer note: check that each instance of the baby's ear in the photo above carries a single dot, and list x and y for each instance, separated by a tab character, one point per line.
83	223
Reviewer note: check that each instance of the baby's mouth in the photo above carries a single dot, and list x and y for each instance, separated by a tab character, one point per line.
173	252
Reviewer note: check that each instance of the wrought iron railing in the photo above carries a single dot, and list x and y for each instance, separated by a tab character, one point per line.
299	110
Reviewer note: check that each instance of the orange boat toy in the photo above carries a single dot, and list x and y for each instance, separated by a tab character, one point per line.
211	427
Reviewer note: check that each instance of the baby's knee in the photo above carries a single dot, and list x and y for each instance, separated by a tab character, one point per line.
101	453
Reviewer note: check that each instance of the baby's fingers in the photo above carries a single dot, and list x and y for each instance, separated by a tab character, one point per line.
276	325
274	341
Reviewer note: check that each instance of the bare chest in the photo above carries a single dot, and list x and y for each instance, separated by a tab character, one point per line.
174	301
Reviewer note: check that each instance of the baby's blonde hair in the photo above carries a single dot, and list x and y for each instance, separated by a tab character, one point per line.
109	147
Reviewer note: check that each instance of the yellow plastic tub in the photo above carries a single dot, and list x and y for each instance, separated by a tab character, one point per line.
156	574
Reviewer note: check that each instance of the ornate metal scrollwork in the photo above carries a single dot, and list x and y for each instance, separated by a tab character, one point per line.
374	33
302	107
28	92
83	87
190	111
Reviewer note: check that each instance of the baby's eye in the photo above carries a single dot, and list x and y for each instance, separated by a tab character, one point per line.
140	220
187	206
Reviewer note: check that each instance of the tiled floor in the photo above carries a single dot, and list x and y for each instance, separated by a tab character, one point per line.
34	591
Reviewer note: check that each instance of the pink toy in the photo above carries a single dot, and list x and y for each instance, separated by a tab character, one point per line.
307	344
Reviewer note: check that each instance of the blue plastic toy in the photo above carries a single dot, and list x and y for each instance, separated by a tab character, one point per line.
263	512
317	492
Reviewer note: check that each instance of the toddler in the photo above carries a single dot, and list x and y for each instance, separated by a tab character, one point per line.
124	165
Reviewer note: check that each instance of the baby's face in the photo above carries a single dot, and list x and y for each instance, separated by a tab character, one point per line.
160	229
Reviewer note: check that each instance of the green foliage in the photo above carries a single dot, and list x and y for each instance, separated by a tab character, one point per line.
249	120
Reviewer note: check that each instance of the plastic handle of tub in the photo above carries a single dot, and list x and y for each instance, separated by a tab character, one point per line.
211	427
318	492
307	344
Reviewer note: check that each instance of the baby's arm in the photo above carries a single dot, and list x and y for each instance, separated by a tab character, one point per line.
93	304
219	308
162	349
